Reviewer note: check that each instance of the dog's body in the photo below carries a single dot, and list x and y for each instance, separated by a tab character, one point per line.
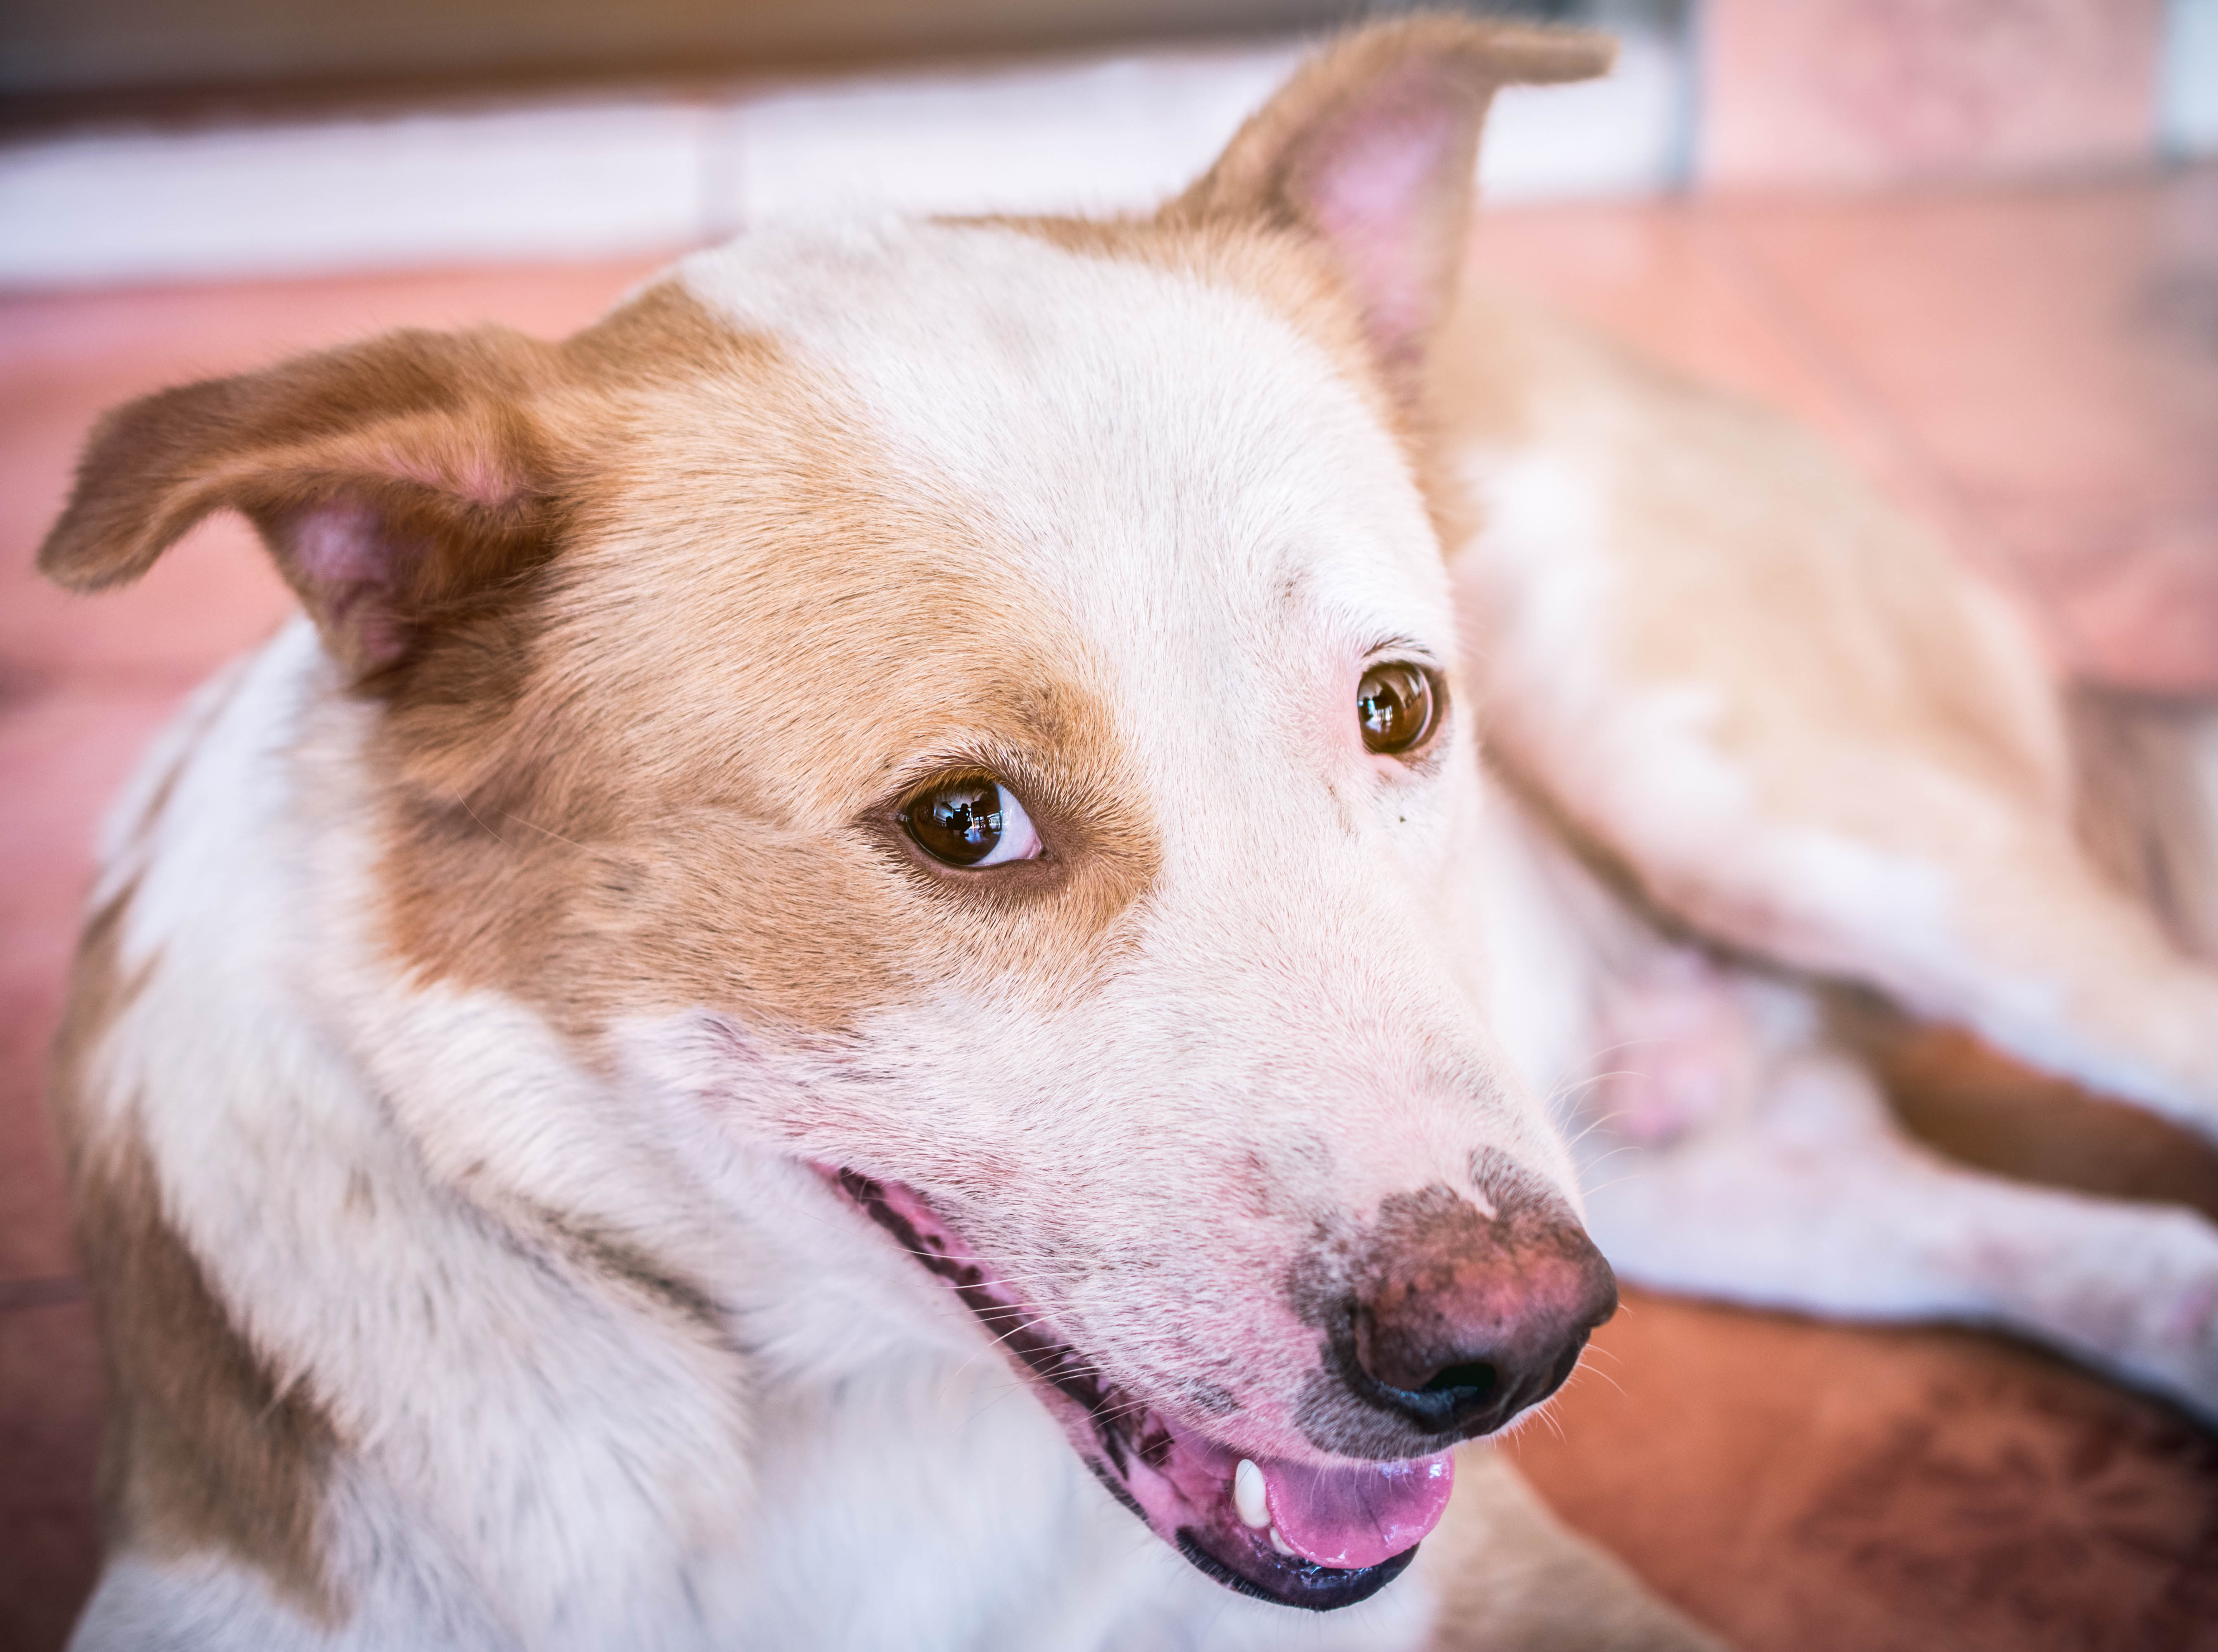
516	1001
1818	751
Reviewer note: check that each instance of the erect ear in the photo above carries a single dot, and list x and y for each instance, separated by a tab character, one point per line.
1371	149
397	482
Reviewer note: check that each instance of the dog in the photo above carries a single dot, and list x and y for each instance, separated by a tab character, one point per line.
886	963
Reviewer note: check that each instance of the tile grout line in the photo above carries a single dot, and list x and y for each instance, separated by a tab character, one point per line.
60	1290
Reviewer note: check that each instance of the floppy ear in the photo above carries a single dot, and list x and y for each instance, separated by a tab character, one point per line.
396	483
1371	149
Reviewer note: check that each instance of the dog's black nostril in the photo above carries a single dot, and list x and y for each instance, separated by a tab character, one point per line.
1447	1399
1463	1383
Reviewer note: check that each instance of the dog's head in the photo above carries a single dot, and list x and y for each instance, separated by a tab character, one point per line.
980	701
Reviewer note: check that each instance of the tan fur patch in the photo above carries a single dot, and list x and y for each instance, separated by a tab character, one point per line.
203	1450
1981	1107
2141	817
667	775
1511	1573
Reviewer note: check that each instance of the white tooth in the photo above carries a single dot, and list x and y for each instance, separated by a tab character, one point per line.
1248	1495
1280	1543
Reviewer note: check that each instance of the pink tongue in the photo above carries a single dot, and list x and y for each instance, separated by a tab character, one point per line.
1357	1517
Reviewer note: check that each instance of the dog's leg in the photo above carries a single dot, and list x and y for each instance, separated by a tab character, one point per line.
1512	1578
1790	716
2058	965
1814	1199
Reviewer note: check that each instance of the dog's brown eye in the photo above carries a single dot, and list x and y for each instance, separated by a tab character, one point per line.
1394	704
971	821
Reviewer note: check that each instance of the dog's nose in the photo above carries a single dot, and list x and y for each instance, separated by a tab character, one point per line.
1458	1331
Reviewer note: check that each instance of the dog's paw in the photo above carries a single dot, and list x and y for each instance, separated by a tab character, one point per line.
2154	1319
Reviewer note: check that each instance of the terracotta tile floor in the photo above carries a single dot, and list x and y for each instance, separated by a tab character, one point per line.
2038	370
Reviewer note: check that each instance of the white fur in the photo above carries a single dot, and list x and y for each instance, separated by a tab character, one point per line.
363	1162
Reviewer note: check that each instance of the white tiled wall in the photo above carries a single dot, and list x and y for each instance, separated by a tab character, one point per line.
425	189
2190	110
1111	132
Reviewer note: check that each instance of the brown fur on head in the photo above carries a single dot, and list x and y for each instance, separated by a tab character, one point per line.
396	482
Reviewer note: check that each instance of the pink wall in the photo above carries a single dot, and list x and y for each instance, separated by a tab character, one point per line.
1872	93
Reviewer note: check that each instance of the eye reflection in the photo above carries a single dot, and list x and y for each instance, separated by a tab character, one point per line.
1395	707
970	820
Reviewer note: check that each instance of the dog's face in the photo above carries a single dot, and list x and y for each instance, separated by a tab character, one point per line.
981	702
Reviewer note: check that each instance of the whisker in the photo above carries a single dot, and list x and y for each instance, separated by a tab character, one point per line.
536	827
486	830
1619	1181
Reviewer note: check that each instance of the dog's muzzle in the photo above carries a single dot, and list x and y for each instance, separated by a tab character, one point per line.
1435	1352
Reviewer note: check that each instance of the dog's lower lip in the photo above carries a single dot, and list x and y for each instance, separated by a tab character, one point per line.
1183	1484
1301	1583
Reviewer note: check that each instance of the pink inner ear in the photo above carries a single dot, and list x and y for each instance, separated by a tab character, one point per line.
1376	186
348	561
339	543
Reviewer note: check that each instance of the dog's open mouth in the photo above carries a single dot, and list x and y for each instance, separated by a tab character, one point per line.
1294	1533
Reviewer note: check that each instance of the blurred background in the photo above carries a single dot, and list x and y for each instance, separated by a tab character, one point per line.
1974	243
144	140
